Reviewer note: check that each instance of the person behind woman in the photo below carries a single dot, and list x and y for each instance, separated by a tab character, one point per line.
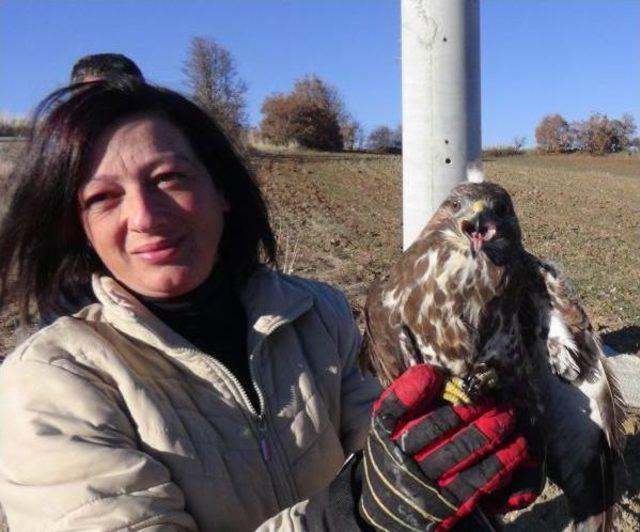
204	390
95	67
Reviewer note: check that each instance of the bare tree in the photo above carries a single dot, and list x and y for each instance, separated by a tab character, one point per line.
381	140
360	137
351	132
626	128
215	84
519	142
396	139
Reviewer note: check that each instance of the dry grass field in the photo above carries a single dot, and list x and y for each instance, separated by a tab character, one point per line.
338	219
341	214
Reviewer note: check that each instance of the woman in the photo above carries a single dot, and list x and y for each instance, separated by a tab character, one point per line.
143	410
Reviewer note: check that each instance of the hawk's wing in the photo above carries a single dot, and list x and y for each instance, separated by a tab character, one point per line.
380	350
388	347
583	408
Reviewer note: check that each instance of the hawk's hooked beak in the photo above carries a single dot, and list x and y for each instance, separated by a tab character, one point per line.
479	228
478	207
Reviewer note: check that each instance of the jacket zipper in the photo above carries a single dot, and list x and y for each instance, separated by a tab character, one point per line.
263	442
259	417
265	449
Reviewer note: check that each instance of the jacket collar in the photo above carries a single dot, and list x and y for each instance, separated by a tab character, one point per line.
269	298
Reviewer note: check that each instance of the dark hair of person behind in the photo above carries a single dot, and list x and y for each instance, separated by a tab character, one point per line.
104	66
42	242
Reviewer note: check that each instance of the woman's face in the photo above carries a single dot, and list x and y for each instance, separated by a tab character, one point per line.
150	209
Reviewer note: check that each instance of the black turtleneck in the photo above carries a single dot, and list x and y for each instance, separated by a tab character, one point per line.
212	318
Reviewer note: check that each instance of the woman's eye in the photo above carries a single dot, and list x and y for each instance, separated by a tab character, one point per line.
95	200
169	177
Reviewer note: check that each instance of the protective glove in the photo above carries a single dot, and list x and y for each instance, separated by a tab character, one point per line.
426	464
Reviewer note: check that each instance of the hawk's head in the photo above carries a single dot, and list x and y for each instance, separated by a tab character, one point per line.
479	218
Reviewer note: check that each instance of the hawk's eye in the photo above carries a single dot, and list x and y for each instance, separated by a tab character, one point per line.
456	205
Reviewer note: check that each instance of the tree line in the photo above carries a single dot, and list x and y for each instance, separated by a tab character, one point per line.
598	134
311	115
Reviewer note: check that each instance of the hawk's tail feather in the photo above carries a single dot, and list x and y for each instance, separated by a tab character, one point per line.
605	519
617	410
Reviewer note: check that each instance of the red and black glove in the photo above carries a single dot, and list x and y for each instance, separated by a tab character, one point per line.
427	464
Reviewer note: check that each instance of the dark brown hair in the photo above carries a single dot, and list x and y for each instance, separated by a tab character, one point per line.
104	66
42	241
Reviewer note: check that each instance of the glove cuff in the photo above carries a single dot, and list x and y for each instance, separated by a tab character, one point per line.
344	493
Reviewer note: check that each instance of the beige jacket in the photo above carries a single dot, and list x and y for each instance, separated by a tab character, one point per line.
109	420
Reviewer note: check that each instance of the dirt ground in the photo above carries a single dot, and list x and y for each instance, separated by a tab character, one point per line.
337	217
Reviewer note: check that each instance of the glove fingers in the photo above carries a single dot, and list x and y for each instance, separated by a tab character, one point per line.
527	482
413	392
425	431
490	474
464	448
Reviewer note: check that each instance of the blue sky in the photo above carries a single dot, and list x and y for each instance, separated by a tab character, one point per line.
573	57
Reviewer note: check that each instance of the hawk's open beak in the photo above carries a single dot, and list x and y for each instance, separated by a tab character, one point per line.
479	228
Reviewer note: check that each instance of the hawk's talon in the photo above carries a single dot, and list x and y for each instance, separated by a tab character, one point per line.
480	383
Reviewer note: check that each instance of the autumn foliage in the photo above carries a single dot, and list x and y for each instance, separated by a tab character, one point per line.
554	134
310	116
598	135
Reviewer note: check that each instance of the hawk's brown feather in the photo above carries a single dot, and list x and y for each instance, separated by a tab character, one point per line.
466	296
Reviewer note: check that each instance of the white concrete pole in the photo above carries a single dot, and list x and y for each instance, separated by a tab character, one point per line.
440	103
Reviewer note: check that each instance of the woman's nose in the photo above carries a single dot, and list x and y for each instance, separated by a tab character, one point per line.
145	211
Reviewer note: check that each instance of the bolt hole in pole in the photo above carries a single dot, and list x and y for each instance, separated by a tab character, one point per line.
447	160
444	39
446	141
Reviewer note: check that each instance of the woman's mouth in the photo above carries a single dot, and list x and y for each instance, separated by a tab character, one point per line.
160	251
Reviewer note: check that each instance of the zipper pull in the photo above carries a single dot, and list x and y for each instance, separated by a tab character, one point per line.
265	450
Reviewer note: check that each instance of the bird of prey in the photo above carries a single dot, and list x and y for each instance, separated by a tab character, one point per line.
468	298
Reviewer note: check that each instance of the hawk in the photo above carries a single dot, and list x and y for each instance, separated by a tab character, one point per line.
468	298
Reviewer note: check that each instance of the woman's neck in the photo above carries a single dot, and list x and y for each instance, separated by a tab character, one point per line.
212	318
